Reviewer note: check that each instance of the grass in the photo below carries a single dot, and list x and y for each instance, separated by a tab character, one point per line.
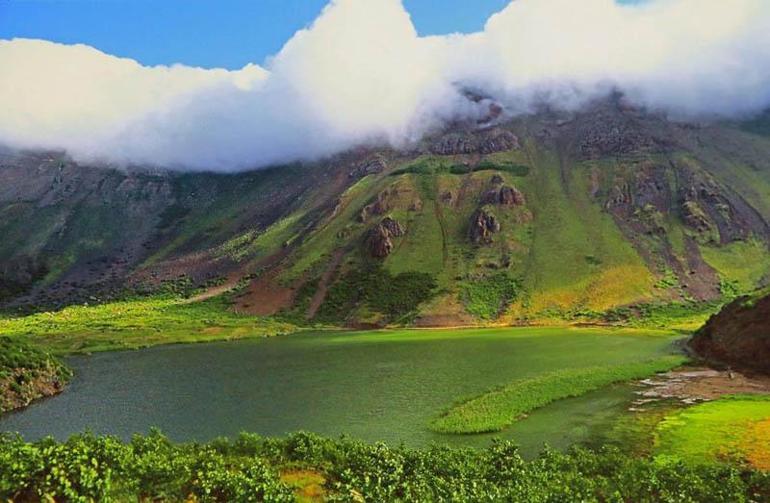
578	259
497	409
683	316
25	371
138	323
15	353
433	166
742	263
732	429
257	244
421	249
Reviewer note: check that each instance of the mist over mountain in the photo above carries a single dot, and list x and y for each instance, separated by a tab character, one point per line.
361	74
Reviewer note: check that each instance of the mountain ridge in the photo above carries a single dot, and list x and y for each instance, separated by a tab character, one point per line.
554	215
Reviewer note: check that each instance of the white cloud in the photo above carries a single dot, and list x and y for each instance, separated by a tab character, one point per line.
361	73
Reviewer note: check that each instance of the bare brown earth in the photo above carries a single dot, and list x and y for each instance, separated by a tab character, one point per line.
699	384
265	295
323	284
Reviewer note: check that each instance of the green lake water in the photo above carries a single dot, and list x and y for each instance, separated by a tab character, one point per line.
373	386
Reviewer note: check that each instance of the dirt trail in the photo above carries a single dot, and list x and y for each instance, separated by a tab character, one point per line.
323	284
215	291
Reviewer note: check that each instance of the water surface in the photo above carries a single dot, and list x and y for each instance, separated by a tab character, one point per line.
373	386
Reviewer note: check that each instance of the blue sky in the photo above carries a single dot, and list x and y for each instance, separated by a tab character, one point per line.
209	33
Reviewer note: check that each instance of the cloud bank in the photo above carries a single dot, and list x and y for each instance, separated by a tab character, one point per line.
360	73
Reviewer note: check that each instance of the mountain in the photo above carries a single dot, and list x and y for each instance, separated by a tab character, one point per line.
553	215
739	335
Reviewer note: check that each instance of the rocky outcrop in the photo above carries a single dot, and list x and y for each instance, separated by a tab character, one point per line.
695	218
21	386
379	242
714	212
511	196
484	225
393	227
739	335
503	195
477	142
612	129
371	166
379	206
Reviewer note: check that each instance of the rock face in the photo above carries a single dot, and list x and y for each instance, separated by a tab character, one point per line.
715	213
22	386
379	206
372	166
476	142
613	129
503	195
380	242
483	225
739	336
393	227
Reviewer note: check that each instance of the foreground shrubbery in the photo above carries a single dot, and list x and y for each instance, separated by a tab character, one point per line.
249	469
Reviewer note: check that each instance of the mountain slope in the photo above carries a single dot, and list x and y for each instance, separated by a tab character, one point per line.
547	216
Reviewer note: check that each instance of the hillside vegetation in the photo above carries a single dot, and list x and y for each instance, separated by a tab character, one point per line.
605	214
27	373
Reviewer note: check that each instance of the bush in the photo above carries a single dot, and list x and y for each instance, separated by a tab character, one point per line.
88	468
488	296
394	296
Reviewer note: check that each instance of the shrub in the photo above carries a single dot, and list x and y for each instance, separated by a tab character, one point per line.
394	296
88	468
488	296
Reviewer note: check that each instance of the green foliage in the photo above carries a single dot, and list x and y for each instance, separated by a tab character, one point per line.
497	409
670	315
488	296
436	167
16	353
394	296
88	468
741	265
139	322
20	366
669	280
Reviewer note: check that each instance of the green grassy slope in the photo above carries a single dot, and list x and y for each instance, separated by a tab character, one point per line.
599	236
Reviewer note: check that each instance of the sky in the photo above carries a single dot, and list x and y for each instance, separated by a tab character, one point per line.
207	33
232	85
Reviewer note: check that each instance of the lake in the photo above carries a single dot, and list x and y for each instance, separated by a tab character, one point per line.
383	385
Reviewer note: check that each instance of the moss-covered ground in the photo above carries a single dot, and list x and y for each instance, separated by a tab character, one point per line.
733	429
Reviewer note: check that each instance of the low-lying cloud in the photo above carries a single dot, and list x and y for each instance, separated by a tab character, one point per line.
360	73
